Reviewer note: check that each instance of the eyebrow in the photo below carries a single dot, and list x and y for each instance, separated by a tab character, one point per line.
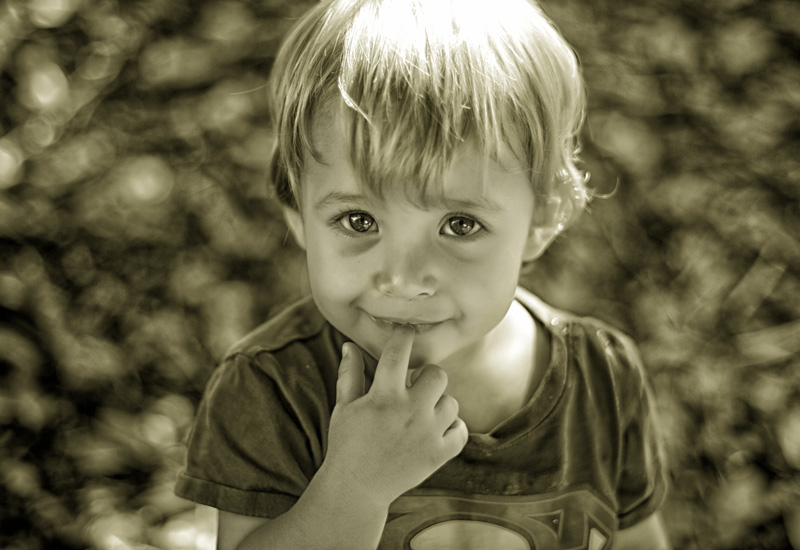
336	197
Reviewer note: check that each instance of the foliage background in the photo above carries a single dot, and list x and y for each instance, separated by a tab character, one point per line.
137	241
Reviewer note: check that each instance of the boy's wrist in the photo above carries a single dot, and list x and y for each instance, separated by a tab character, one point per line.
331	514
349	490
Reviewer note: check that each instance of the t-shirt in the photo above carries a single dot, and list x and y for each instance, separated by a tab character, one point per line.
578	462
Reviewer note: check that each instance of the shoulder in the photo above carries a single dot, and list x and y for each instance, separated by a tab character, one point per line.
299	320
604	355
294	354
584	330
607	383
260	429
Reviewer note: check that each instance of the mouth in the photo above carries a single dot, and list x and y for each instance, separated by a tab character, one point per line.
391	323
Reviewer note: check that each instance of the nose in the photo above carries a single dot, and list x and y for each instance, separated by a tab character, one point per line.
407	272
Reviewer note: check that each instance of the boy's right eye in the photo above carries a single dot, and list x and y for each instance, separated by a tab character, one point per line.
360	222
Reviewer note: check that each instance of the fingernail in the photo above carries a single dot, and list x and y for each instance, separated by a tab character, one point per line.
345	349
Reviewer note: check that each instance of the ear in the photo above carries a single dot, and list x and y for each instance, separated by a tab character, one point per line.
539	238
295	222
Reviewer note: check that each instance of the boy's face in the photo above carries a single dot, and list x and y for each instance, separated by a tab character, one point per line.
451	271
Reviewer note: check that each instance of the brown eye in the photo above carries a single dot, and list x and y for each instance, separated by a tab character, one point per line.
360	222
460	226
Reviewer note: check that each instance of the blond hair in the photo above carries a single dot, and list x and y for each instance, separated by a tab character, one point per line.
416	78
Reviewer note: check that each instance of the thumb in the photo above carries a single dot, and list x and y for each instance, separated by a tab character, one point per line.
350	385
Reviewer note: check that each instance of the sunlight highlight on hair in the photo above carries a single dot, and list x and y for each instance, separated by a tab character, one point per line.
415	80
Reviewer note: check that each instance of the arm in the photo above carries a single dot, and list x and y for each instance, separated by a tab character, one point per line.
648	534
323	517
380	444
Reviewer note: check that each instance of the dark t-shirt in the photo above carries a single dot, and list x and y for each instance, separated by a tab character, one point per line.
579	461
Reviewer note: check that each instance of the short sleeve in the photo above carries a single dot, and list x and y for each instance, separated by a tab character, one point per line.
642	482
258	438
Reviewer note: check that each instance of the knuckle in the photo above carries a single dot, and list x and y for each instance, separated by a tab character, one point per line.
393	355
449	404
461	432
383	401
453	403
436	375
390	355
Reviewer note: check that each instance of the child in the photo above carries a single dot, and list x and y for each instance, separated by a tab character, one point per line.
419	399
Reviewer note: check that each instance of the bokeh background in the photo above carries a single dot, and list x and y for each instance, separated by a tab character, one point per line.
138	240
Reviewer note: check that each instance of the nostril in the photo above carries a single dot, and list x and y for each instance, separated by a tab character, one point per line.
406	272
405	288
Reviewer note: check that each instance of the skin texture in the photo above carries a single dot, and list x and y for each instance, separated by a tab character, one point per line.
409	265
377	265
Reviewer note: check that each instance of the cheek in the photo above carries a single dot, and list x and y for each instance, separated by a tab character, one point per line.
495	268
490	283
333	276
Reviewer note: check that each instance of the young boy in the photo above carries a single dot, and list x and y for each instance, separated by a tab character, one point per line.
419	399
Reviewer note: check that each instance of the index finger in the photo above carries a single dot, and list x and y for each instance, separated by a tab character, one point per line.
390	374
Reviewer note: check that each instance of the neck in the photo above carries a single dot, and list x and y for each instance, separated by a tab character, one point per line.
493	380
501	352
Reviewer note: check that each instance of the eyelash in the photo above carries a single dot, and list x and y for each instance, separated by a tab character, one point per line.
337	224
475	235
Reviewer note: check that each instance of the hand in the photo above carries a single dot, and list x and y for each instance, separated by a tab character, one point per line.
386	441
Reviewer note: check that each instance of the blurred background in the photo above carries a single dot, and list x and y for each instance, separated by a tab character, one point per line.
138	240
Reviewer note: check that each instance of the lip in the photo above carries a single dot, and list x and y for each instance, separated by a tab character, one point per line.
418	325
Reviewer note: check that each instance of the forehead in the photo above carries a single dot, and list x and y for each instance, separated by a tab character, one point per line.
467	174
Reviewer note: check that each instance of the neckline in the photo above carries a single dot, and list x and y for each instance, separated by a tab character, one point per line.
550	388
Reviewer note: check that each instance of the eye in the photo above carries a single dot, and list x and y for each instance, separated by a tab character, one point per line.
461	226
360	222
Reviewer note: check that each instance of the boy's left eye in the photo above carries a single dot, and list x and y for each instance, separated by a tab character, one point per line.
460	226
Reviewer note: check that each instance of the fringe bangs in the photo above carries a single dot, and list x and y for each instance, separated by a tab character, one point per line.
415	79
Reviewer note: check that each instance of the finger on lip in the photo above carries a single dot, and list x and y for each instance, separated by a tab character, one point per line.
402	339
393	362
402	333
